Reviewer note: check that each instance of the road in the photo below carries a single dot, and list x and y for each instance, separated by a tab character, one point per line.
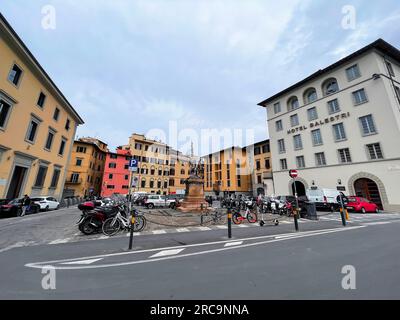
258	263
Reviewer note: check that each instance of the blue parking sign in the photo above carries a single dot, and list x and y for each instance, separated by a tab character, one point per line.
133	165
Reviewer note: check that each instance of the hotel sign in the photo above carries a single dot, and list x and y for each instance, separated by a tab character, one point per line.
315	124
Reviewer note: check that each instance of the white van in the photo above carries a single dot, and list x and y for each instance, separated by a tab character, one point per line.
323	198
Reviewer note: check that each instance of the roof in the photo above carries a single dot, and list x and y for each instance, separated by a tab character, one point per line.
11	32
379	44
88	143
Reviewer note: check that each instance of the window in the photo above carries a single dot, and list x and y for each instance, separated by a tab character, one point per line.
152	184
339	132
367	125
81	149
310	96
281	146
49	141
160	172
41	176
15	75
56	114
257	151
258	165
78	162
143	184
300	162
259	179
277	107
374	151
267	164
390	69
344	155
138	146
293	103
312	114
55	178
353	72
316	137
110	176
397	89
4	113
283	164
298	144
333	106
112	165
41	100
294	120
113	156
110	187
126	177
330	87
32	130
359	97
75	177
67	124
320	159
266	148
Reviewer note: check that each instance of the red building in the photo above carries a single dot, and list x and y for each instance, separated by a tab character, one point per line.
116	173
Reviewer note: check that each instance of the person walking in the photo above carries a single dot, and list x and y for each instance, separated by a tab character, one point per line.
26	203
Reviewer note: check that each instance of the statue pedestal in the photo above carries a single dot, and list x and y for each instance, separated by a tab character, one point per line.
194	196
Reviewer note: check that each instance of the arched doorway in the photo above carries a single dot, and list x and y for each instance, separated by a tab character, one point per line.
368	189
301	189
261	191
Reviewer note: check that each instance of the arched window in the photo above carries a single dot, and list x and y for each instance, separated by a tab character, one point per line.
144	170
153	171
183	171
165	184
159	184
152	183
293	103
160	171
330	86
310	95
143	184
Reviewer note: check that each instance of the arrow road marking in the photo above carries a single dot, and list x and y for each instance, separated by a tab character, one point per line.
166	253
86	262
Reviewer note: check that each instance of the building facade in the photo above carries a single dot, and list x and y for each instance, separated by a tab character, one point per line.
86	168
116	176
261	168
340	128
37	123
227	173
161	169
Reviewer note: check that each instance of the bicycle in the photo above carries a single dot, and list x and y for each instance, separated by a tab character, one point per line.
251	217
113	225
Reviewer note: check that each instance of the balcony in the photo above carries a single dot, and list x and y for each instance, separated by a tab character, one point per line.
74	181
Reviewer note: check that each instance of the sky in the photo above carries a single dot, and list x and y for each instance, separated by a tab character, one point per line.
146	66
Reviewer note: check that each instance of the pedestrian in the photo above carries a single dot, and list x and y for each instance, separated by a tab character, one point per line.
26	203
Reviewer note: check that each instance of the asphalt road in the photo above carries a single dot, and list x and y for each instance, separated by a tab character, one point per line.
259	263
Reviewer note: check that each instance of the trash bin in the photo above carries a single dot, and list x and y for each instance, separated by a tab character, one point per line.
311	210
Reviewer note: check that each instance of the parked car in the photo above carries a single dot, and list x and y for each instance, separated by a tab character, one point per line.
140	200
47	203
158	201
13	208
358	204
324	198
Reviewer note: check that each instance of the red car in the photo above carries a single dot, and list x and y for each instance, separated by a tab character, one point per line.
363	205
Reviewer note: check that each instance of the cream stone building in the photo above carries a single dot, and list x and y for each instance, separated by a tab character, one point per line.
340	128
37	123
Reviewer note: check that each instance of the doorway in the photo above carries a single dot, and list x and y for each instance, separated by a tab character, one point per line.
17	180
301	189
368	189
261	191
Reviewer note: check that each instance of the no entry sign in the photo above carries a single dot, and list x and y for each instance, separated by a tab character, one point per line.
293	174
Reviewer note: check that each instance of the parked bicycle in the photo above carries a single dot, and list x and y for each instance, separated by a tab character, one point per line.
120	222
250	216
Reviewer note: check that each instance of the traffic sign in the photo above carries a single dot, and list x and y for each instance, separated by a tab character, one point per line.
293	174
133	165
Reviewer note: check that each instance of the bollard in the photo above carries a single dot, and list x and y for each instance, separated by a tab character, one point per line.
131	231
342	215
296	222
229	223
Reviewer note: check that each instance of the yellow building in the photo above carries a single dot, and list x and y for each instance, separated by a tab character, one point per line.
227	172
86	168
37	123
162	170
261	170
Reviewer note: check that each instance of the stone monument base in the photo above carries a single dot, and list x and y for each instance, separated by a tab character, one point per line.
194	200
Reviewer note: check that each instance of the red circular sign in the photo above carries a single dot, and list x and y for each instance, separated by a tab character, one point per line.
293	174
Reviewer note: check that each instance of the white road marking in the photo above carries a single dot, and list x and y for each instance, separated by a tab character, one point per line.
183	230
165	253
59	241
104	237
232	244
204	228
242	226
39	265
85	262
159	231
222	227
378	223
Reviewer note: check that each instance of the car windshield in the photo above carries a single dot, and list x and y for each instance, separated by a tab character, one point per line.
38	199
15	201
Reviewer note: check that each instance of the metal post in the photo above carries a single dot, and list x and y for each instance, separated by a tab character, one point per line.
296	223
342	214
131	213
229	221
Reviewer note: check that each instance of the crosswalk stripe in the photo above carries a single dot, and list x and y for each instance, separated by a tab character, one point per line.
165	253
159	231
183	230
204	228
222	227
232	244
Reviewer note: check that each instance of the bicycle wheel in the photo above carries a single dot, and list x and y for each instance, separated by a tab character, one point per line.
252	217
236	218
140	223
111	227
